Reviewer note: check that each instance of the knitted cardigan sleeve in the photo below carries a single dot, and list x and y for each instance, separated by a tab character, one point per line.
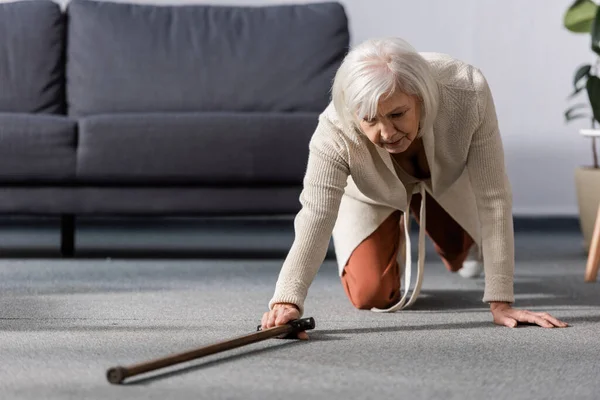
325	178
493	193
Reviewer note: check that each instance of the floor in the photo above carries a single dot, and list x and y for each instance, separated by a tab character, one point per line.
63	323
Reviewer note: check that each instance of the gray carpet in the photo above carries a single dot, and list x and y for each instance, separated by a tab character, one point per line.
64	322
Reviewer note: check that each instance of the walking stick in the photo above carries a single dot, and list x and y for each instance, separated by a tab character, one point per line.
117	375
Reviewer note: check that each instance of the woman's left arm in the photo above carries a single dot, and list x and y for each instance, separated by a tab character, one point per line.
493	192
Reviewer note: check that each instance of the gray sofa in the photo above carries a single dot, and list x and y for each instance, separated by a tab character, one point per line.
137	109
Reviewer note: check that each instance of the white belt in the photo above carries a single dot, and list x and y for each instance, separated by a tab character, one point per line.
402	304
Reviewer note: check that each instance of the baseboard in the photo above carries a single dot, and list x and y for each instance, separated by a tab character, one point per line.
546	224
192	237
539	224
522	223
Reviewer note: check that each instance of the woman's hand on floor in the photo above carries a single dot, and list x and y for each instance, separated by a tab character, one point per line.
505	315
281	314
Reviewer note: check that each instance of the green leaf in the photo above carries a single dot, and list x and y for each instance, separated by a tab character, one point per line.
582	72
570	113
577	107
596	34
577	90
593	89
577	116
579	16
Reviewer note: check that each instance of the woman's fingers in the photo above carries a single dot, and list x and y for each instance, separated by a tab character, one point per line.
534	318
543	319
502	318
280	316
556	322
303	335
264	319
285	315
508	321
272	318
289	314
511	317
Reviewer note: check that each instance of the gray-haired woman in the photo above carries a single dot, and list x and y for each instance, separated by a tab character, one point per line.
405	131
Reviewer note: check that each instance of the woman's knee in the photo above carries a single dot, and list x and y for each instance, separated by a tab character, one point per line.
365	297
373	286
371	276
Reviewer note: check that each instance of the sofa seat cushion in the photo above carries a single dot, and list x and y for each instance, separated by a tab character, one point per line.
189	58
147	200
36	147
195	148
32	46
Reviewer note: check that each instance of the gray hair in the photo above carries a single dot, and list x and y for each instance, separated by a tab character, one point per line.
378	67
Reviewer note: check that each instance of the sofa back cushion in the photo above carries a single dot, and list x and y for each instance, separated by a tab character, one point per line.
31	57
161	58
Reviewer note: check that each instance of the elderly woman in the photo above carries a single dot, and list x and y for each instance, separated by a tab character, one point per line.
405	131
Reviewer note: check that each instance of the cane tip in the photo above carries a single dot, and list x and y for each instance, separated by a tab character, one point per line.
116	375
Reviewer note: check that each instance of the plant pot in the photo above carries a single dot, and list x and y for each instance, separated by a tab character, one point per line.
587	183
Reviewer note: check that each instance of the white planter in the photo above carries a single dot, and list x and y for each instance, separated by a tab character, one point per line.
587	183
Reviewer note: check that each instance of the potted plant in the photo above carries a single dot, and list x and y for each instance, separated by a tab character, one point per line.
583	17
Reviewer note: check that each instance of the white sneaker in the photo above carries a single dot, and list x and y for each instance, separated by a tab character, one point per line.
473	265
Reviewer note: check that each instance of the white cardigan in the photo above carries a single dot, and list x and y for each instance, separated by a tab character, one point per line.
351	187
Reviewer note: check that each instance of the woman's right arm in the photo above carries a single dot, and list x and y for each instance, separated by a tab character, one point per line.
324	182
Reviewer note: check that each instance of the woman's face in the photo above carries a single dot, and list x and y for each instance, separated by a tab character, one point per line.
396	124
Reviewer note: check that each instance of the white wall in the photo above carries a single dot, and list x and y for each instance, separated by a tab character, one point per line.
529	60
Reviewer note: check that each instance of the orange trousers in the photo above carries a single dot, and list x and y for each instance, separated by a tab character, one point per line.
371	278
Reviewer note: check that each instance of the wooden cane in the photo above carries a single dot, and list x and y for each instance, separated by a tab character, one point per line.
117	375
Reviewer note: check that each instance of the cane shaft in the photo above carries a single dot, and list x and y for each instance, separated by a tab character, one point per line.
118	374
205	351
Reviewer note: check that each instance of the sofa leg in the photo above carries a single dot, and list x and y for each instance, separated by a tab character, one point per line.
67	235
